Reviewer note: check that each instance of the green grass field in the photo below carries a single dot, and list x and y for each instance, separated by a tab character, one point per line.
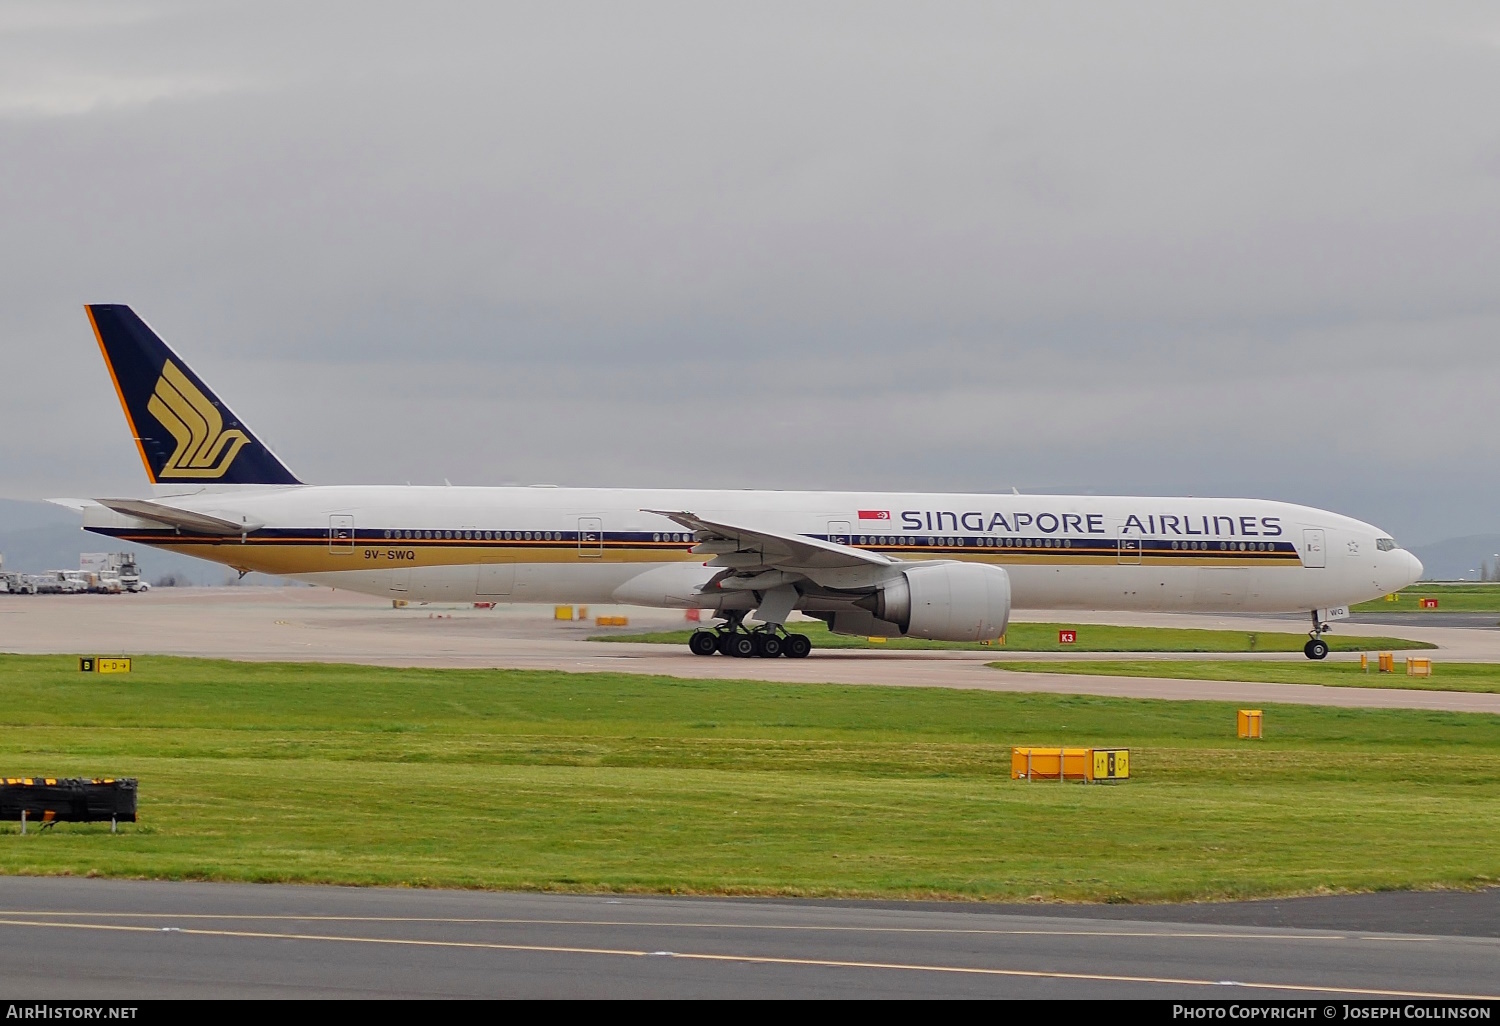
1042	637
1445	676
1452	598
510	779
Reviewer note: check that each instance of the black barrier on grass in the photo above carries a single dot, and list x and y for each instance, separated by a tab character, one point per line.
68	799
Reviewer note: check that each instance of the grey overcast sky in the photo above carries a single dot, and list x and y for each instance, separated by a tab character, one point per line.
1147	248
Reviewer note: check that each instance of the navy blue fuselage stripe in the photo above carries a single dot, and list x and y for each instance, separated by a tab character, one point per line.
654	539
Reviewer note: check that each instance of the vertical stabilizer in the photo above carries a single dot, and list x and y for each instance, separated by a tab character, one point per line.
183	431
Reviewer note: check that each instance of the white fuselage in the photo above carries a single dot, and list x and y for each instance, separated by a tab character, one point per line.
598	545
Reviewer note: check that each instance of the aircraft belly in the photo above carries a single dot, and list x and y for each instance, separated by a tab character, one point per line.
1169	589
579	582
529	582
671	585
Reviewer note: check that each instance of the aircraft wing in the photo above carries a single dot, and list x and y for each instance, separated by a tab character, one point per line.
749	549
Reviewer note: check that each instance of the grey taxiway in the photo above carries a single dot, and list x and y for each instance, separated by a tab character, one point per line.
106	939
319	625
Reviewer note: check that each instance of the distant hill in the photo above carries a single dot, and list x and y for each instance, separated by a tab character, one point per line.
1454	559
38	536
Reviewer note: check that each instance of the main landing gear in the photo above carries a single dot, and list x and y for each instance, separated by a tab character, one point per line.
1316	647
732	638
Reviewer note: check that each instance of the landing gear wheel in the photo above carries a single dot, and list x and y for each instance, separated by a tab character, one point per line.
1316	648
704	643
740	646
767	645
796	646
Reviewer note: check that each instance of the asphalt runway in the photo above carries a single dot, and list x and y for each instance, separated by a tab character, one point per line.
316	624
79	939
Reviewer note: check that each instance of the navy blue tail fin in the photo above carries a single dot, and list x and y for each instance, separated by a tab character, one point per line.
184	432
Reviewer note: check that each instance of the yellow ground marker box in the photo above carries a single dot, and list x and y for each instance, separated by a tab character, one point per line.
1091	765
611	621
1251	724
103	664
1418	667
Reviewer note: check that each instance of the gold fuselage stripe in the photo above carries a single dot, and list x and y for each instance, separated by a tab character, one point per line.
314	554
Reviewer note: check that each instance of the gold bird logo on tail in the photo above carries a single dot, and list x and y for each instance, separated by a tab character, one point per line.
204	448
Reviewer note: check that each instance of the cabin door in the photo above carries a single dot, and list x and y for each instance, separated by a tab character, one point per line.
1314	548
341	533
590	537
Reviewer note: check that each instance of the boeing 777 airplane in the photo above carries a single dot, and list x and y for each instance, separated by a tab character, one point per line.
942	566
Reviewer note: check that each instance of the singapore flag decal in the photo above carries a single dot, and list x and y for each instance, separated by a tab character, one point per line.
874	514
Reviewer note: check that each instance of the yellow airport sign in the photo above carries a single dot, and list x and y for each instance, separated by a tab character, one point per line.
103	664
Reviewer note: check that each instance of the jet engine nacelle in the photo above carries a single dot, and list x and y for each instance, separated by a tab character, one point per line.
946	601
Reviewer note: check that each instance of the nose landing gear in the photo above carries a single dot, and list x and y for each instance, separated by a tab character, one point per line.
1316	647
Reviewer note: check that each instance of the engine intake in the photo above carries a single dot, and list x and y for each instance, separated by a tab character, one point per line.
945	601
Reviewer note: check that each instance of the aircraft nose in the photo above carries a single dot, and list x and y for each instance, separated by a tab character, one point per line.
1413	567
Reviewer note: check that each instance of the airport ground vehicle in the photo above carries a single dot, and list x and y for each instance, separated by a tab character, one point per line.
73	582
69	582
17	583
57	582
111	571
940	566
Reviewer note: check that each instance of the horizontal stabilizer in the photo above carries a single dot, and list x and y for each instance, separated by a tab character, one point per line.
182	519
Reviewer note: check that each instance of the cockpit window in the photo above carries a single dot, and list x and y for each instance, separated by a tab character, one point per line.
1386	544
